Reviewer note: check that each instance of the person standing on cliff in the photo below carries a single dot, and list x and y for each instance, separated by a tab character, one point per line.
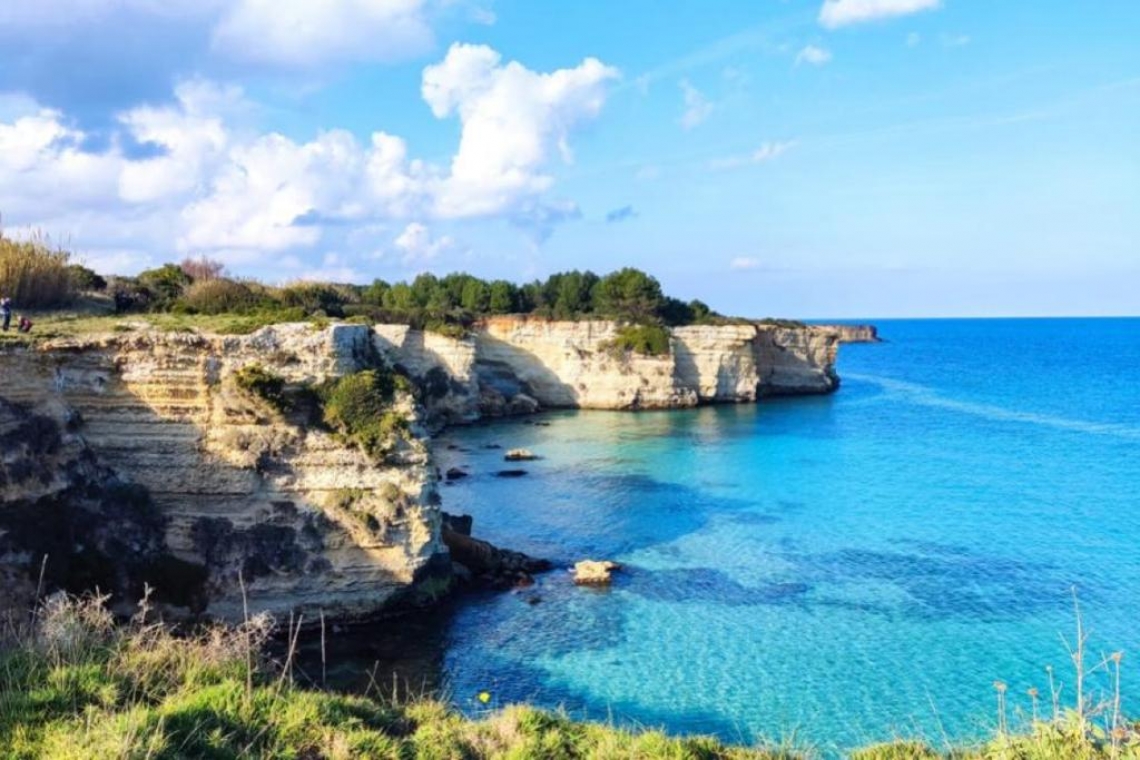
6	312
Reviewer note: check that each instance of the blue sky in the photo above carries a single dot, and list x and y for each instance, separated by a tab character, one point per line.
807	158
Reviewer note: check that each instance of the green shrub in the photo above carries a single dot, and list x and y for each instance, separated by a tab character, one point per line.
85	279
647	340
165	284
263	384
314	297
358	407
33	275
218	296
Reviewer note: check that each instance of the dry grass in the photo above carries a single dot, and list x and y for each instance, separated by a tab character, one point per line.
33	274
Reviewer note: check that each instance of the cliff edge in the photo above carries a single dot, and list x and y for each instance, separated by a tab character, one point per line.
138	458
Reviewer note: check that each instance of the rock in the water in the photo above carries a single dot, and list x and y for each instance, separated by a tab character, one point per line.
590	572
520	455
455	473
461	524
510	473
490	566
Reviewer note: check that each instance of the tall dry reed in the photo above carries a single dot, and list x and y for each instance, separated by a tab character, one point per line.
33	274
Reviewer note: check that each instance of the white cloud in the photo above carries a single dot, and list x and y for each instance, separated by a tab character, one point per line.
214	185
191	134
741	263
955	40
766	152
333	268
513	119
303	33
836	13
416	244
913	39
813	54
697	106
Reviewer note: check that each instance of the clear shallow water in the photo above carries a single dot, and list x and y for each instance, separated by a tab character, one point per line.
844	568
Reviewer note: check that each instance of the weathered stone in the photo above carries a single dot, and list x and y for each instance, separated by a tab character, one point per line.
590	572
250	495
520	455
507	362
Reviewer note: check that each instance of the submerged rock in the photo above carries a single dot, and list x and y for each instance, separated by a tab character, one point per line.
455	473
510	473
590	572
485	564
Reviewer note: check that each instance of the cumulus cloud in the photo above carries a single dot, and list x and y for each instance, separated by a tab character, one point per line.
214	185
697	106
766	152
836	13
622	214
513	119
814	55
417	245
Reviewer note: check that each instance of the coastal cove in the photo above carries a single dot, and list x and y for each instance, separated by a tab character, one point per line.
841	568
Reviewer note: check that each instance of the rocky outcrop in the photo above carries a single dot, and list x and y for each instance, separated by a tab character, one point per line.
856	333
483	564
241	493
591	572
517	364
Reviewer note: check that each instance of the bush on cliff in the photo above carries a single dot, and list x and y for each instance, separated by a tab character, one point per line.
646	340
34	275
218	296
260	383
359	407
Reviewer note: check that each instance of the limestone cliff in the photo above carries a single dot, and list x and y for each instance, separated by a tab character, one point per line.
856	333
510	364
240	492
136	458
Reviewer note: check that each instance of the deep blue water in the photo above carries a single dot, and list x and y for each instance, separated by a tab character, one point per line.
842	569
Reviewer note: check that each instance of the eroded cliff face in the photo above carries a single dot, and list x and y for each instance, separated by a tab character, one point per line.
239	492
136	459
516	364
856	333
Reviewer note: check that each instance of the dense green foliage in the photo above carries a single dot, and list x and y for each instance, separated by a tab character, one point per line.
218	296
359	407
647	340
85	279
34	275
444	304
263	384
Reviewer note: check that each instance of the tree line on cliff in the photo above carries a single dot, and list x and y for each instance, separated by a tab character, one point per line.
38	276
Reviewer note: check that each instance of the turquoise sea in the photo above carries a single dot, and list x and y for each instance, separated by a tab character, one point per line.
836	569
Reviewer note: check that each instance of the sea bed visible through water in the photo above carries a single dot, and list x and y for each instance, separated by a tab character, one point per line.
841	569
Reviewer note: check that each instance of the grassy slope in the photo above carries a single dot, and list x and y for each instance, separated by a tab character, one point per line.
95	315
79	687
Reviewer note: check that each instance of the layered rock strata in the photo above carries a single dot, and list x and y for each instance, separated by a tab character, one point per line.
243	495
517	364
